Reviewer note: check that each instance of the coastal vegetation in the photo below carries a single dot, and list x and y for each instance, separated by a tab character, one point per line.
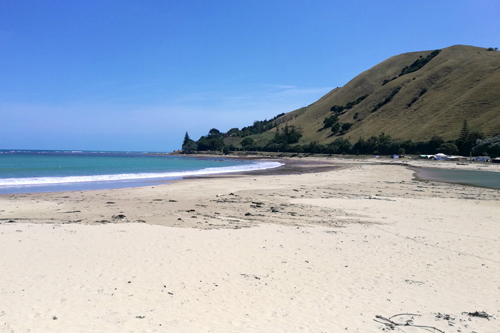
419	63
341	108
258	127
188	145
386	99
286	140
414	99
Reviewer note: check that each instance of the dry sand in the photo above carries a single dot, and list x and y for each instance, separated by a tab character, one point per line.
322	251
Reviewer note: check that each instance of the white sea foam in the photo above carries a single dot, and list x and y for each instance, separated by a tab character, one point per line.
11	182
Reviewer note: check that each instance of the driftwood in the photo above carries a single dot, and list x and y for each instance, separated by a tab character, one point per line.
409	323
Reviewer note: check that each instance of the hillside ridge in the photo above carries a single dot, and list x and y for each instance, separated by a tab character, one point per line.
414	96
459	85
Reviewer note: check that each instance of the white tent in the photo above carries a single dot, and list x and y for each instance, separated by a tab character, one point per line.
442	157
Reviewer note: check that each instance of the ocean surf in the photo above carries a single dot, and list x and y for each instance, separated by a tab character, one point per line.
49	171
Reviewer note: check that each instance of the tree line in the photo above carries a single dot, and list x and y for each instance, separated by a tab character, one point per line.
286	139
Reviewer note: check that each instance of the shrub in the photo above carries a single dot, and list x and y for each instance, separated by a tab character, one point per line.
247	143
350	105
419	63
328	122
335	128
346	127
387	99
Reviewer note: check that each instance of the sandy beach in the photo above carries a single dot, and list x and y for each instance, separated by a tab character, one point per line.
326	245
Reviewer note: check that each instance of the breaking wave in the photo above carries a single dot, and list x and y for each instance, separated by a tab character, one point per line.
33	181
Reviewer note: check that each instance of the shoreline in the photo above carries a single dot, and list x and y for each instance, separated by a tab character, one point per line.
125	178
291	165
327	250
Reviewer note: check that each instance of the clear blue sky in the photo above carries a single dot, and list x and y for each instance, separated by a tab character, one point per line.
136	75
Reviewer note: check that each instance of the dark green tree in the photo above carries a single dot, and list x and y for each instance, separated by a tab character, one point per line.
467	139
360	146
216	144
346	126
328	122
448	148
188	145
384	144
214	133
313	148
247	143
234	132
464	132
288	135
186	138
434	144
338	146
489	147
335	128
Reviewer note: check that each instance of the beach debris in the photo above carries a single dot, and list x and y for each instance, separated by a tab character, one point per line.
378	198
414	282
479	314
172	200
251	276
54	317
110	203
446	317
118	217
391	324
140	317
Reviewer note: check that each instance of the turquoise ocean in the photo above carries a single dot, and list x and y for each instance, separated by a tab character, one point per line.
53	171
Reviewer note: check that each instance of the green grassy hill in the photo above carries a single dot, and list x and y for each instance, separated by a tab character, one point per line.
459	83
